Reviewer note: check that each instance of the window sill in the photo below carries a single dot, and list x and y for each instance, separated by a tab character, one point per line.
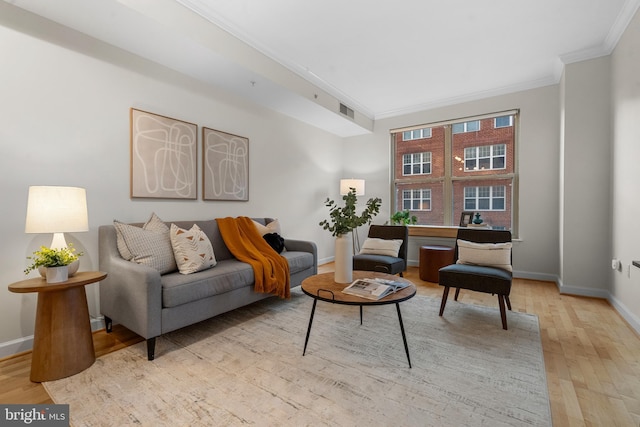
433	231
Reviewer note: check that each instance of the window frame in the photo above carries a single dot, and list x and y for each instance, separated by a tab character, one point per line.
492	156
420	199
414	164
422	134
451	179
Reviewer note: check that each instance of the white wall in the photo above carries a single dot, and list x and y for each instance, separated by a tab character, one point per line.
585	178
625	202
64	103
536	254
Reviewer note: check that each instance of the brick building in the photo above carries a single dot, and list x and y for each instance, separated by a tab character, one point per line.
478	173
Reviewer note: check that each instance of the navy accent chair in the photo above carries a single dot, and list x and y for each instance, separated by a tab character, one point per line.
383	263
476	277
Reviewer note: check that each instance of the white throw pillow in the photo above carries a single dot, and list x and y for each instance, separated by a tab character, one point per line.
192	249
148	245
487	254
272	227
386	247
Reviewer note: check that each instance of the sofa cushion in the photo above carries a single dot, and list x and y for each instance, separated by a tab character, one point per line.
228	275
192	249
487	254
298	261
148	245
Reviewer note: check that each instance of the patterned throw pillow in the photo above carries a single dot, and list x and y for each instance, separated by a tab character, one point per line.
148	245
488	254
192	249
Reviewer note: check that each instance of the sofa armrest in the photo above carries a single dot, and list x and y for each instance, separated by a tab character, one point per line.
303	246
131	294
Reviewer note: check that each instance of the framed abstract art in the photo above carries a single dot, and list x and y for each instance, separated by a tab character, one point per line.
225	166
163	157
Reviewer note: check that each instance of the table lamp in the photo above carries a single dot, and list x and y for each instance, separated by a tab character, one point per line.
57	210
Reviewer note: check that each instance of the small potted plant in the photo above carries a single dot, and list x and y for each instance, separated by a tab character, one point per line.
404	218
55	261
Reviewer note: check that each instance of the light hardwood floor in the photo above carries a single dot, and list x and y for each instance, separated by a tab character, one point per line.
592	355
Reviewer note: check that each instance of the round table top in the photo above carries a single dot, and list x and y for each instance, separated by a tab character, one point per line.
324	288
39	284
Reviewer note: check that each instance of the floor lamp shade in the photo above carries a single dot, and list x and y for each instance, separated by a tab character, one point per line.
56	210
346	184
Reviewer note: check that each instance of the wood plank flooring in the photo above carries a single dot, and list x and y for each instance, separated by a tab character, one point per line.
592	356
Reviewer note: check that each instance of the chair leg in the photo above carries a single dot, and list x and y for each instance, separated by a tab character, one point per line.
455	298
445	295
506	298
503	314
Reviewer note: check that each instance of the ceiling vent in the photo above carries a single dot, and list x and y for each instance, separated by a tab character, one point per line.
346	110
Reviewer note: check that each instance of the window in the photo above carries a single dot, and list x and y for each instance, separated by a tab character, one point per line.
416	164
485	158
484	198
466	126
465	165
410	135
503	122
416	200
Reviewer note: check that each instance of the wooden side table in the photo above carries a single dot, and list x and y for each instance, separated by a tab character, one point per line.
62	342
432	259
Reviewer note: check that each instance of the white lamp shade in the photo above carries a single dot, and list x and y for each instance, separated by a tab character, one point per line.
346	184
56	210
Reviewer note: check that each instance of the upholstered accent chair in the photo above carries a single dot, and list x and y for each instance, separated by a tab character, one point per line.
382	251
482	263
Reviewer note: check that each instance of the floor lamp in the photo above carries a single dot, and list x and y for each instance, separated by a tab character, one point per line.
345	186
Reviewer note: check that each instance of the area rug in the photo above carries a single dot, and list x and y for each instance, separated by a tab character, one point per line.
246	368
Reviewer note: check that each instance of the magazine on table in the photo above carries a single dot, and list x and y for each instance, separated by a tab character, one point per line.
375	288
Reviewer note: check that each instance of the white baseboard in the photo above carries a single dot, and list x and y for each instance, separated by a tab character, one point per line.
23	344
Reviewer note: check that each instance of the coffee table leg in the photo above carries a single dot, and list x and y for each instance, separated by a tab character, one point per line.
361	315
404	337
306	340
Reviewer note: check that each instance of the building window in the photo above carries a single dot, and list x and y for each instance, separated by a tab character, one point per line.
471	126
486	157
464	166
416	164
416	200
503	122
410	135
484	198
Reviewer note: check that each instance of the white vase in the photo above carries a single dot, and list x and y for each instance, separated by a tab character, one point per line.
344	259
57	274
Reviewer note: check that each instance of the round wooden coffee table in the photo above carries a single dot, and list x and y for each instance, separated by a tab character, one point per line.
322	287
62	341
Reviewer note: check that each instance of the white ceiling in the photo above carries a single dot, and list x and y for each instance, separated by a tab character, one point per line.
381	58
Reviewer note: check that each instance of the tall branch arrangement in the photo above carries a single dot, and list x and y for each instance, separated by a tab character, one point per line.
343	220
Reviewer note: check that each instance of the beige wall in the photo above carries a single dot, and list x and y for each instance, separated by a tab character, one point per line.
625	173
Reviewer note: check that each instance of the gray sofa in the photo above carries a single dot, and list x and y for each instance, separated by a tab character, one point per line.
150	304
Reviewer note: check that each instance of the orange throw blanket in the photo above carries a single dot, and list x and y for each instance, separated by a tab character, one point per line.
271	270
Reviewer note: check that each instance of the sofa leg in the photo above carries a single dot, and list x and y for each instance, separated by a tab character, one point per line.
445	295
503	314
108	324
151	348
